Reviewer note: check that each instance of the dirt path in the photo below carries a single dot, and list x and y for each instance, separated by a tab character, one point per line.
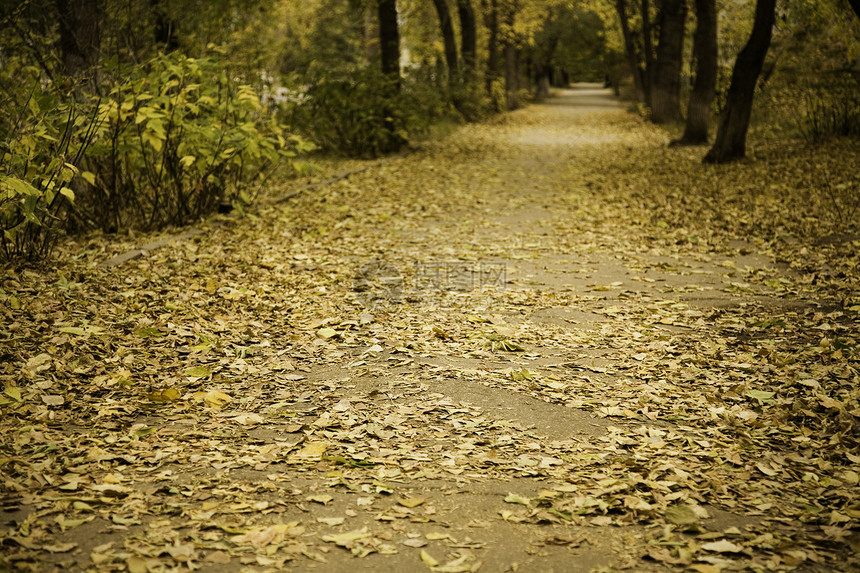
479	356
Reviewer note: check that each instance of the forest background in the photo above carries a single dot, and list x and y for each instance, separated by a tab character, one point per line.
144	114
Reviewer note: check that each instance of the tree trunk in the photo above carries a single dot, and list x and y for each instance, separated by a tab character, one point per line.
633	56
80	34
468	36
544	69
544	81
371	32
666	91
705	55
492	22
512	76
648	55
165	27
389	39
447	30
731	138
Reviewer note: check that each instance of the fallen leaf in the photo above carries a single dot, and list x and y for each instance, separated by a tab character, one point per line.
428	559
722	546
412	501
516	498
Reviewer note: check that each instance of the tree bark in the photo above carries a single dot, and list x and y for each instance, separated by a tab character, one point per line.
666	91
730	143
492	22
705	56
633	56
468	36
447	30
512	76
389	39
165	27
648	52
80	34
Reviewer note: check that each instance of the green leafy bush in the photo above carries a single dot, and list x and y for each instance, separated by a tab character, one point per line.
178	138
364	114
39	153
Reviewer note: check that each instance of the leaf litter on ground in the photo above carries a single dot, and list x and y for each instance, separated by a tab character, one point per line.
269	391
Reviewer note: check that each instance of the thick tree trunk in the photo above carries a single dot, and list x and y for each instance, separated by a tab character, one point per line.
633	56
666	91
389	39
80	34
731	138
447	29
705	55
468	36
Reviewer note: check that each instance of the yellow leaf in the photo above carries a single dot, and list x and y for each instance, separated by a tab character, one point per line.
215	399
249	419
722	546
428	559
326	333
436	536
312	450
411	501
169	395
60	547
347	539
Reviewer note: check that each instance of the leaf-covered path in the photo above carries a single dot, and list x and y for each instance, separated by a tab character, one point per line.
546	343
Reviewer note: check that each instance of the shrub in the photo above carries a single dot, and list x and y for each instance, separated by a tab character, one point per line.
177	139
834	113
39	154
363	113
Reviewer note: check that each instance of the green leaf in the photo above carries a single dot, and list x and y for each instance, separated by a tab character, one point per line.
516	498
761	396
18	186
148	332
198	372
